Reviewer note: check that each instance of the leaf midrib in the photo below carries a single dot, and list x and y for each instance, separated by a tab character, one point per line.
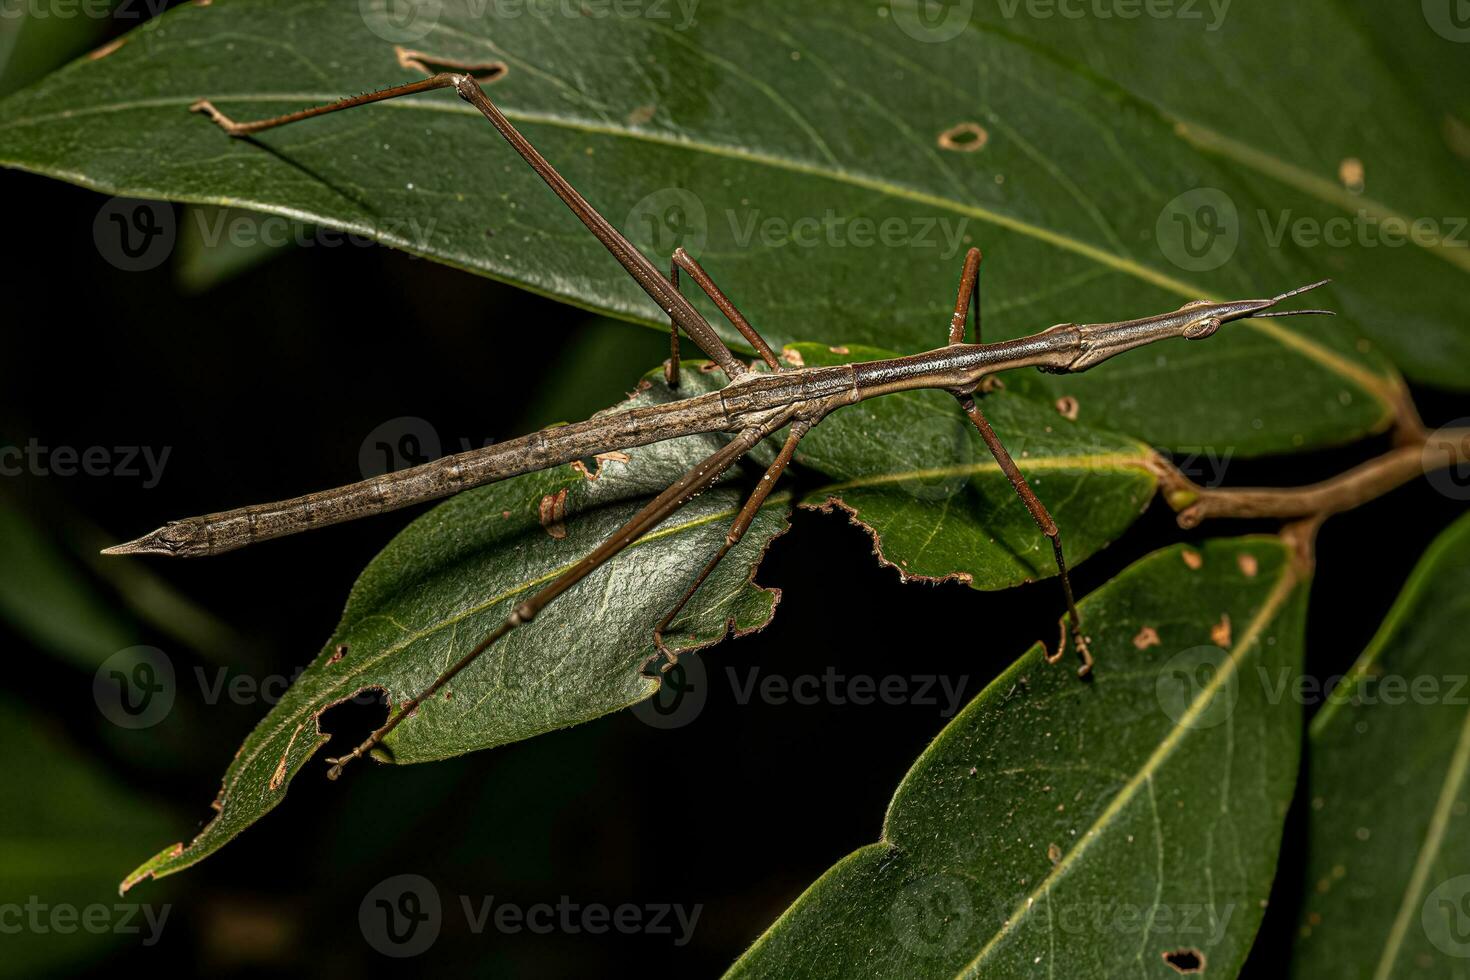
1285	585
1376	386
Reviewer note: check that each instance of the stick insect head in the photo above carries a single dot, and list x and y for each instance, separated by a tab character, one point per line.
1209	316
1192	321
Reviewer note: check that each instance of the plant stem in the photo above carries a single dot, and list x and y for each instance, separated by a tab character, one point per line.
1418	453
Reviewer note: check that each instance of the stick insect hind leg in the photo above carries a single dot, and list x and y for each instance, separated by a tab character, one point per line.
969	295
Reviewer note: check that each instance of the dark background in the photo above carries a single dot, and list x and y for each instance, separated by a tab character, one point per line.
264	387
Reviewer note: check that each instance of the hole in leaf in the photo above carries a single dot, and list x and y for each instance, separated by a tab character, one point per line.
352	720
1186	960
484	72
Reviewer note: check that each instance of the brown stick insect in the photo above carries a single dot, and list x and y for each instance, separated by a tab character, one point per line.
753	405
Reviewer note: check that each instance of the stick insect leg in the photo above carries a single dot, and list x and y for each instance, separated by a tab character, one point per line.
969	289
695	481
684	260
741	524
637	265
1044	521
671	373
969	294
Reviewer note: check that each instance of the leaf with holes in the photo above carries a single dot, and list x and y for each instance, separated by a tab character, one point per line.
1388	856
829	161
454	575
1123	826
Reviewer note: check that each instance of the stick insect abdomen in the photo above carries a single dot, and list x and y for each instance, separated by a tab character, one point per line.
214	534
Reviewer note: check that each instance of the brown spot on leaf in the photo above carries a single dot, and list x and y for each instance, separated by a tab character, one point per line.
1351	173
1220	632
839	350
642	114
279	776
990	383
337	654
484	72
553	512
1185	960
1067	407
1193	558
1248	564
1147	637
966	137
793	357
1053	853
106	49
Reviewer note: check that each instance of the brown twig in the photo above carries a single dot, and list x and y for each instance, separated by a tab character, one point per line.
1416	453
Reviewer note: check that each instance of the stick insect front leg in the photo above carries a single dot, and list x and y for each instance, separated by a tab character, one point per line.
683	260
969	295
738	527
653	282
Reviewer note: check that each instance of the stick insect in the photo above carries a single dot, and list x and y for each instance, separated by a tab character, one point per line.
753	405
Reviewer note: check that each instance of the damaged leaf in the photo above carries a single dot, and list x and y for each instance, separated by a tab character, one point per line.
1125	826
455	573
1388	843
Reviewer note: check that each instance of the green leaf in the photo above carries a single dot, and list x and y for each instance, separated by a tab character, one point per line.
912	470
777	142
42	595
1066	828
454	575
1388	853
63	827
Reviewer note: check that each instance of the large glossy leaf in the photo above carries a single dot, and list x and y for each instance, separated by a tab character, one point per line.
799	150
454	574
1122	827
1388	869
